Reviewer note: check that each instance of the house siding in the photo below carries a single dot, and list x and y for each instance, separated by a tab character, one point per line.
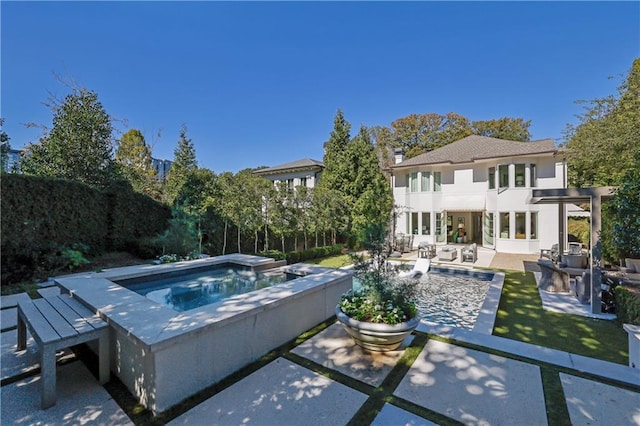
465	196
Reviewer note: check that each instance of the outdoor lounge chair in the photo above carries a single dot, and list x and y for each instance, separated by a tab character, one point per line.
421	267
631	274
551	254
469	253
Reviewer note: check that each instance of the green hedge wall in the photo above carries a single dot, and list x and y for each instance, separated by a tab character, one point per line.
41	215
627	305
301	256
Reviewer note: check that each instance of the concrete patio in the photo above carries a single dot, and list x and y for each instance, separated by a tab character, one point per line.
441	374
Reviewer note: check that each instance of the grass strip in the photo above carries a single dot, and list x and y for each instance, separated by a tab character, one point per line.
521	317
554	398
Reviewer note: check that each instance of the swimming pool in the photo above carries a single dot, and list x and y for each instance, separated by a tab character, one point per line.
188	291
452	297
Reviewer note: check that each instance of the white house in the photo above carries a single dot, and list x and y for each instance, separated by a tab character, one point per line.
479	189
305	172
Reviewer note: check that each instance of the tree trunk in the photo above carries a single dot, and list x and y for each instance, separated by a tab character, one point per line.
305	240
239	250
255	242
282	237
266	237
224	243
316	238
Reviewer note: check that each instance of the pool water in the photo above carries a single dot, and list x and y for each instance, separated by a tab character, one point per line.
190	291
451	297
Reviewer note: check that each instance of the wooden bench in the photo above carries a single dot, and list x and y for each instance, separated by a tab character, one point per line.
56	323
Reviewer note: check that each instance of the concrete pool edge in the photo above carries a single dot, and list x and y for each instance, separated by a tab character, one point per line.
157	352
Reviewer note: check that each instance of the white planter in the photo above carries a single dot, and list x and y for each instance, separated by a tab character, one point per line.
374	336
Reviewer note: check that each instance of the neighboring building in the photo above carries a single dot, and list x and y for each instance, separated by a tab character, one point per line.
478	189
305	172
161	167
14	157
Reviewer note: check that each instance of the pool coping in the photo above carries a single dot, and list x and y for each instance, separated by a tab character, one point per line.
161	326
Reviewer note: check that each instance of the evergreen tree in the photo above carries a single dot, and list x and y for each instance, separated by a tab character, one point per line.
4	148
79	146
184	163
335	175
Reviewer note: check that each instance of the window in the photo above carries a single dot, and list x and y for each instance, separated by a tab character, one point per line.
408	230
426	223
440	235
424	181
520	176
414	182
504	225
303	181
534	225
503	175
414	223
533	175
437	181
492	178
488	229
520	226
407	179
290	183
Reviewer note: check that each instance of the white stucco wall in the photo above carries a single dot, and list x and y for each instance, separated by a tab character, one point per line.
465	188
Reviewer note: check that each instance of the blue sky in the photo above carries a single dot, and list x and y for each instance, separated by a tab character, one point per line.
259	83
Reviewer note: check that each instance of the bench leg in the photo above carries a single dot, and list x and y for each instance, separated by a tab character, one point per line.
103	358
22	334
48	377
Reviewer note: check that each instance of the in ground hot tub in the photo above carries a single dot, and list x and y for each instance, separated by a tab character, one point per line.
164	356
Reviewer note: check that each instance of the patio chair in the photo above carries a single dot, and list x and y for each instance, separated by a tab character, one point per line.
551	254
469	253
426	250
421	267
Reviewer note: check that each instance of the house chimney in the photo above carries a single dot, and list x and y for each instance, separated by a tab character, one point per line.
398	154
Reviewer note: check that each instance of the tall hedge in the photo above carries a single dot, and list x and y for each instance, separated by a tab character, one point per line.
40	214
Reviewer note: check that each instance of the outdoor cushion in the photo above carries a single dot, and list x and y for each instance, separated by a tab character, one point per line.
633	265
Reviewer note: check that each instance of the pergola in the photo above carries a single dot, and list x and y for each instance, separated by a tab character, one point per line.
595	197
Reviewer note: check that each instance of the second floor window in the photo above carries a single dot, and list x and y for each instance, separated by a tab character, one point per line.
533	175
424	181
503	175
492	178
520	176
414	182
303	181
437	181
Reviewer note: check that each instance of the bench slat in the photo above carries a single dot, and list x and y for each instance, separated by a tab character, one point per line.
41	330
72	317
90	317
60	325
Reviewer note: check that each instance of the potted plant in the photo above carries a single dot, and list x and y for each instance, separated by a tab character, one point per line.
380	311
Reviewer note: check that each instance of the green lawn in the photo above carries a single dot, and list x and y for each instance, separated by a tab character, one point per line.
332	261
521	317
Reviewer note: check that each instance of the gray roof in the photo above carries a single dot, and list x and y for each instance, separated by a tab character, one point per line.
305	163
473	148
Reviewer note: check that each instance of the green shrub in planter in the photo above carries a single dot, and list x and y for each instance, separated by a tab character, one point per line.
627	305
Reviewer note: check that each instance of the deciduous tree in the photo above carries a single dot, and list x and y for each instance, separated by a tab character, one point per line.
604	144
133	156
513	129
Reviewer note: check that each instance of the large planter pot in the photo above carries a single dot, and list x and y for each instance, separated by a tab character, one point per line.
374	336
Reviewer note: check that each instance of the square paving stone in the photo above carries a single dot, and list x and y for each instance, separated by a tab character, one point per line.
474	387
334	348
13	363
80	401
594	403
8	318
392	415
277	394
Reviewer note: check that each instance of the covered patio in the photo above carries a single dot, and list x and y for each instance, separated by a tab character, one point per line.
595	197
